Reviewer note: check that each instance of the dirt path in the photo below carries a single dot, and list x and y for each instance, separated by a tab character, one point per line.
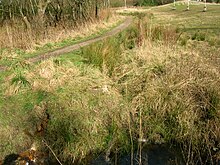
68	49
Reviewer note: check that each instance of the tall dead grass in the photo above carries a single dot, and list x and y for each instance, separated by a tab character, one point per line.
177	93
15	35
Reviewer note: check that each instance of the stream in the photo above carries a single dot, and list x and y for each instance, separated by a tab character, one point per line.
150	155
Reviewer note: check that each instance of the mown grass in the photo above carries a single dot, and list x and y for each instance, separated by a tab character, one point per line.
194	24
121	3
139	85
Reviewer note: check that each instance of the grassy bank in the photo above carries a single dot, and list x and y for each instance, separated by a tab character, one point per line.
141	85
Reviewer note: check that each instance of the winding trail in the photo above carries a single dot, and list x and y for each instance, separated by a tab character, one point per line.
68	49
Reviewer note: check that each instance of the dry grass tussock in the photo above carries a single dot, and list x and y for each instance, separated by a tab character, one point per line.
49	76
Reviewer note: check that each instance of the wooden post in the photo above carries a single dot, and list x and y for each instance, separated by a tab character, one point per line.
174	4
188	5
205	7
96	10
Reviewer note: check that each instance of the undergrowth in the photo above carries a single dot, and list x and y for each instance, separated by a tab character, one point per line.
139	85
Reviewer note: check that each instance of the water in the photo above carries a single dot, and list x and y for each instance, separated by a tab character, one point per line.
150	155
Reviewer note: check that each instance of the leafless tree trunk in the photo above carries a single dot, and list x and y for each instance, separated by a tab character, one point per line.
42	6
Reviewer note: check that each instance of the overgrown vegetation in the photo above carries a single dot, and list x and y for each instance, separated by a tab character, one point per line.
142	84
27	23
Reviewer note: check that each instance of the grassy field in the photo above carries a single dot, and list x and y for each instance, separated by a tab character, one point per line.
121	3
157	81
194	24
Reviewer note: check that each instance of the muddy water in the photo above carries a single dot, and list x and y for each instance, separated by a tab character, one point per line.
150	155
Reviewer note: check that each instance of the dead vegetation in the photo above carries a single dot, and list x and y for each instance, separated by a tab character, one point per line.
13	36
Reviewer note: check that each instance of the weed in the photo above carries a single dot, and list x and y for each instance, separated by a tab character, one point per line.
19	79
199	36
105	55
